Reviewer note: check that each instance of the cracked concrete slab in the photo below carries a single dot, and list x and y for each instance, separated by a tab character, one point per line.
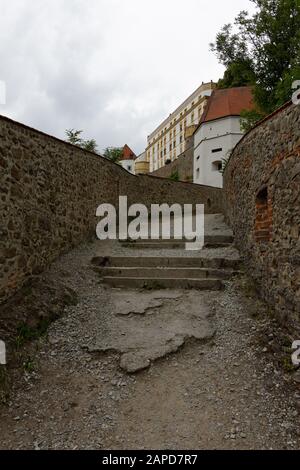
175	317
129	304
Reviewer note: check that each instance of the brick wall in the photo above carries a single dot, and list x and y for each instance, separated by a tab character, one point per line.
264	216
49	193
262	204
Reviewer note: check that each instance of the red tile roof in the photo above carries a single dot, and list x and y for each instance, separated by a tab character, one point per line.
127	154
228	102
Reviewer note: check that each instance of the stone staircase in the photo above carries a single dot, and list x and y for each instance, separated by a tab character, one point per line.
159	272
166	264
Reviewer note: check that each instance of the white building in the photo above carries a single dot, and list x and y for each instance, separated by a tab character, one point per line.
166	142
127	159
218	133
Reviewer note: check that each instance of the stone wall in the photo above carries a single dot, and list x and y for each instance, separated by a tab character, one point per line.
262	204
49	193
183	166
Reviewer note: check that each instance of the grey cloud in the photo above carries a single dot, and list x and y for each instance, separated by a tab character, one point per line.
114	68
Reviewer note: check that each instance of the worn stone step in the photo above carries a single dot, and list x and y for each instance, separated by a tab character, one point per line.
169	245
210	241
166	272
163	283
170	261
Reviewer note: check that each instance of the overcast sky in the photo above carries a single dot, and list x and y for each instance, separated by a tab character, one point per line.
114	68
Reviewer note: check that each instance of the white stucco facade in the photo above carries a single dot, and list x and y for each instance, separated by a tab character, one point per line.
213	141
128	165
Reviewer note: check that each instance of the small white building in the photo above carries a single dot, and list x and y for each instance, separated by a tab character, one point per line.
218	133
127	160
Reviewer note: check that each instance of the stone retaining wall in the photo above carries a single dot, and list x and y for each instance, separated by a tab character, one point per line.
183	166
49	193
262	204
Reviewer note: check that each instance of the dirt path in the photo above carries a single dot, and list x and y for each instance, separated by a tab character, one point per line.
220	388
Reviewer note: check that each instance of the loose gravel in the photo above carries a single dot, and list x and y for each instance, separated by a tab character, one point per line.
226	392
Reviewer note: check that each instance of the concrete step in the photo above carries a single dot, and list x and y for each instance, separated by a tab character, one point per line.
170	261
163	283
210	241
166	273
216	241
154	246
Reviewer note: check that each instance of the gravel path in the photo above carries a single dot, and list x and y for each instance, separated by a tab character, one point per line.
224	392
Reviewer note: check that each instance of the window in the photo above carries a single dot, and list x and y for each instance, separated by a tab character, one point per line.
217	166
197	173
181	139
129	167
216	150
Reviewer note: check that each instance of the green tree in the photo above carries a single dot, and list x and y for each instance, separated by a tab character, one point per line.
90	145
264	51
239	73
74	137
249	118
113	153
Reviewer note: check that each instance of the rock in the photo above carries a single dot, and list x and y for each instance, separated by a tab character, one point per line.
296	377
132	363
